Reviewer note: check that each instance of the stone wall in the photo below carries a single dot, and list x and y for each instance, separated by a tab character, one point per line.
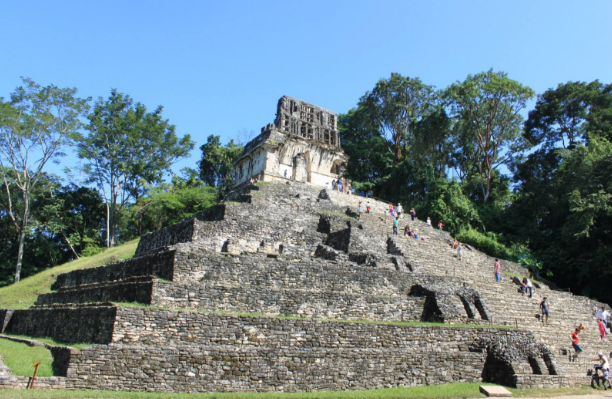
134	289
301	303
64	324
179	232
231	353
199	368
160	265
175	327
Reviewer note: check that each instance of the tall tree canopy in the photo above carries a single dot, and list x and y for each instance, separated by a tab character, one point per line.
396	105
560	115
487	108
126	149
35	126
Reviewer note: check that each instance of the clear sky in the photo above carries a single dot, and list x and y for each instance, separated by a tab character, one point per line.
219	67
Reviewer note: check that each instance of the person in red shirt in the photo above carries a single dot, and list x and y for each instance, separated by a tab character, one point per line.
575	344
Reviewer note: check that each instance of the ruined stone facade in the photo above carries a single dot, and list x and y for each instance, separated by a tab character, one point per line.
303	145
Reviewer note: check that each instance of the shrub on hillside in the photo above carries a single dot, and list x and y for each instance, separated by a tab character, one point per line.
487	243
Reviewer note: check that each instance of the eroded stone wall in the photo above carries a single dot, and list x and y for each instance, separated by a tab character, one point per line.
160	265
134	289
64	324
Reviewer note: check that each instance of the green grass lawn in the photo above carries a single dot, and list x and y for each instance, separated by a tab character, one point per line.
20	358
447	391
24	293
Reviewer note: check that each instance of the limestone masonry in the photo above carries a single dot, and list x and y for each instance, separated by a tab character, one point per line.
303	144
283	288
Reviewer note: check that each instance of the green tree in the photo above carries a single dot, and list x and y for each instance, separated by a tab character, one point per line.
432	147
167	204
127	149
446	201
600	113
371	162
560	115
396	105
71	217
217	163
583	249
486	107
35	125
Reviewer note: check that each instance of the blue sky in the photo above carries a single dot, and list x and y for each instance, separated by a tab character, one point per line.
220	67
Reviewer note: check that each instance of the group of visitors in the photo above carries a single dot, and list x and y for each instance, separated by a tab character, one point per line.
603	323
349	189
336	185
410	233
604	364
361	209
527	285
440	224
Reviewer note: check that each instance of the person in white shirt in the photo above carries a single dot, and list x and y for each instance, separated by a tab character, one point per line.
529	287
604	366
604	315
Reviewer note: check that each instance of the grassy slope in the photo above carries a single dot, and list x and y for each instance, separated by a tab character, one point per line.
20	358
24	293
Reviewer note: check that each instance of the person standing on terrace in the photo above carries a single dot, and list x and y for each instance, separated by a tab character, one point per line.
544	307
497	270
604	315
529	286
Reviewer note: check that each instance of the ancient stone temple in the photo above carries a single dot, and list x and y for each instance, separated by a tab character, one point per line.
284	288
303	144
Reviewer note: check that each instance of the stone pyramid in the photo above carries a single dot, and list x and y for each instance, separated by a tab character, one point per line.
283	288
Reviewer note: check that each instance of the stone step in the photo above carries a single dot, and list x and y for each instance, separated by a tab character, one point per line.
134	289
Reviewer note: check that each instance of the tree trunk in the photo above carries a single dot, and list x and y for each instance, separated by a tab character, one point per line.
107	226
19	255
24	223
69	244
